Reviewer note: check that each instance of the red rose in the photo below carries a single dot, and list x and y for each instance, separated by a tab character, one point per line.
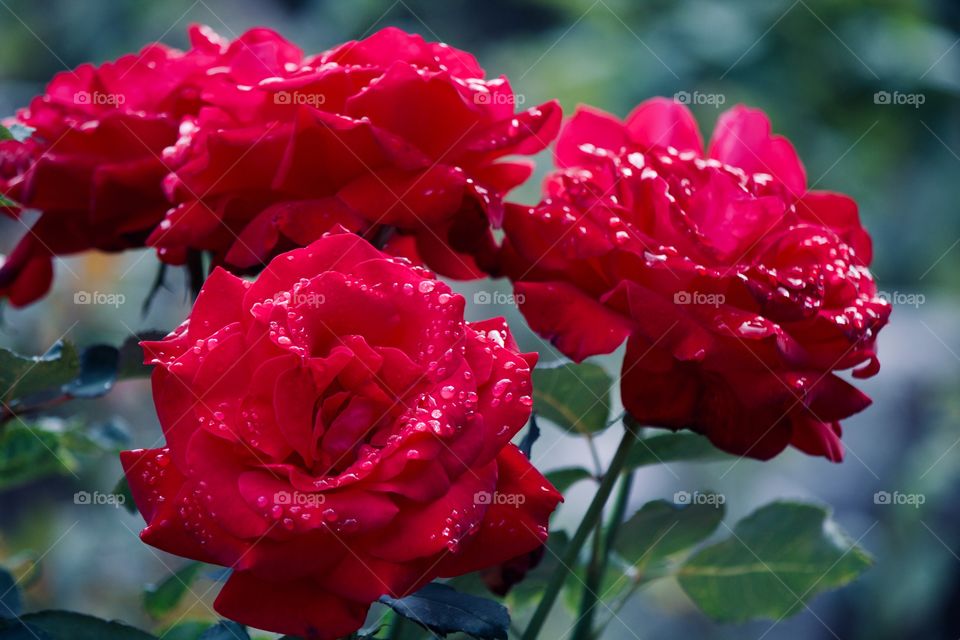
391	137
336	432
95	164
738	291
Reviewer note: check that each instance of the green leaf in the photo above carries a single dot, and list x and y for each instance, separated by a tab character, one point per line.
673	447
16	131
122	489
660	529
779	557
572	396
32	451
98	371
444	610
130	363
67	625
22	376
532	435
226	630
189	630
62	370
10	601
566	477
162	598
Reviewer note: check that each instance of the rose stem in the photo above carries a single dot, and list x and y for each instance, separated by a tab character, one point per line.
600	560
590	519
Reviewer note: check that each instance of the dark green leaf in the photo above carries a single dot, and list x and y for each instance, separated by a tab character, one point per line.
10	601
189	630
67	625
572	396
566	477
660	529
7	202
22	376
122	489
131	356
32	451
443	610
778	558
98	371
673	447
226	630
531	436
16	629
162	598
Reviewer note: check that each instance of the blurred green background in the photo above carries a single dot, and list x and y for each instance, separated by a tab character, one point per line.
822	69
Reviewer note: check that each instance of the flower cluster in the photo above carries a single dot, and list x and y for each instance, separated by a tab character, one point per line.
335	430
738	292
249	148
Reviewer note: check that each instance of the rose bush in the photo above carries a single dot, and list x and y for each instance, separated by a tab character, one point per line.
392	137
739	292
95	163
335	432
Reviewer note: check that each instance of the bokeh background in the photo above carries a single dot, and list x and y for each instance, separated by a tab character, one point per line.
868	92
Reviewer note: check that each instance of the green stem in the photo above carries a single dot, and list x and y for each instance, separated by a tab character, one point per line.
590	519
599	561
616	517
591	583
